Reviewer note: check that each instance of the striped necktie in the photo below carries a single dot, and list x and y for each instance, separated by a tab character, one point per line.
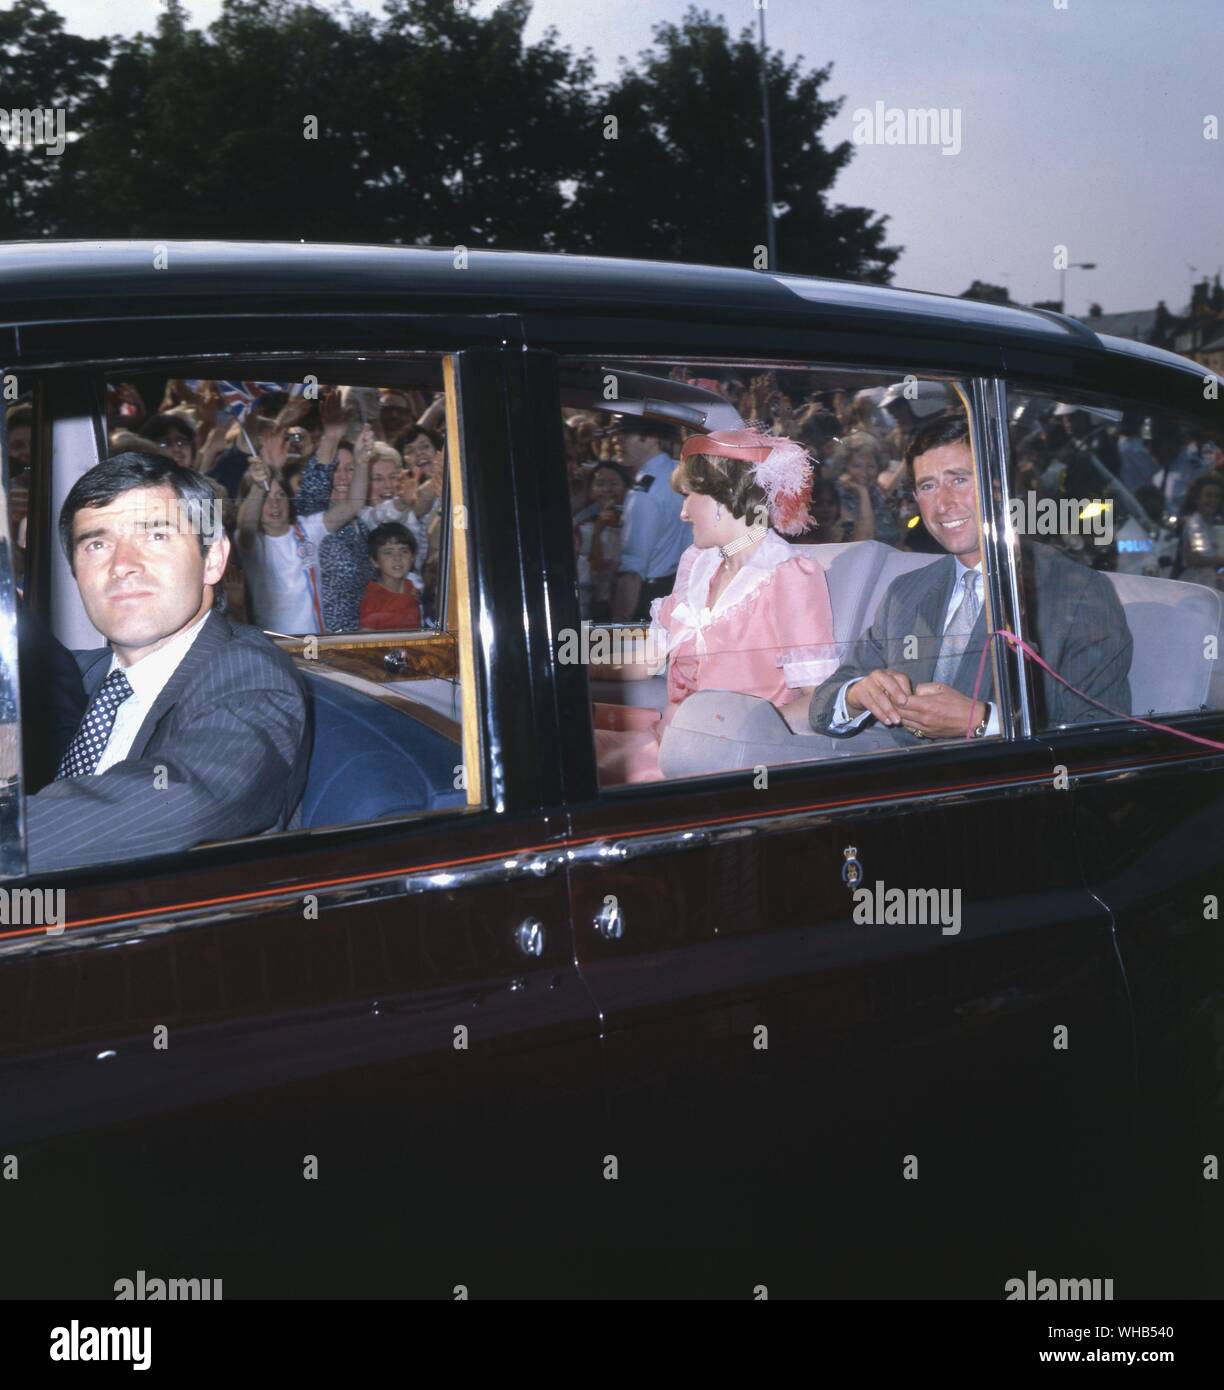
956	634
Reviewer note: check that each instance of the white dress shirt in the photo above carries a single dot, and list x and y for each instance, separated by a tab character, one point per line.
842	723
148	678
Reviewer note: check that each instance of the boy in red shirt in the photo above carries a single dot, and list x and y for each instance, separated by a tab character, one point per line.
390	601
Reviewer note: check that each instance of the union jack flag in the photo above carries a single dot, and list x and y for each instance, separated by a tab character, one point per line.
239	396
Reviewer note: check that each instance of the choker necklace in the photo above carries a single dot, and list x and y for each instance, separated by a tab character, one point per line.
750	537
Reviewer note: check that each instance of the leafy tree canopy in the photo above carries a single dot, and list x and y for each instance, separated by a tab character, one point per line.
429	124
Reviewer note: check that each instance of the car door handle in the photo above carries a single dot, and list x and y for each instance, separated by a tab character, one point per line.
530	937
609	922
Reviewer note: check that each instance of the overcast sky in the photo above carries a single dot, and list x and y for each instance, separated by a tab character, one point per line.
1081	124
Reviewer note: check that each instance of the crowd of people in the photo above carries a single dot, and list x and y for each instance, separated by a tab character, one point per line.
626	520
311	486
1162	481
324	515
333	501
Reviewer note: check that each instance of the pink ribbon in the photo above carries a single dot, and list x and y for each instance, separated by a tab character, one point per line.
1015	641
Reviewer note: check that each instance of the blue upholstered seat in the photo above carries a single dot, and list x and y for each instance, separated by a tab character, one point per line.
369	760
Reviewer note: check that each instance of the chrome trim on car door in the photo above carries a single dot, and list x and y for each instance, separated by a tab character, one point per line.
624	849
541	862
1001	548
128	930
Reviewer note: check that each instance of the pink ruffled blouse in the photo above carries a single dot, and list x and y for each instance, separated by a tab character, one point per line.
769	633
749	640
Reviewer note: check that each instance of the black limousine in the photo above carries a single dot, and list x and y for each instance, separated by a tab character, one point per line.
832	1009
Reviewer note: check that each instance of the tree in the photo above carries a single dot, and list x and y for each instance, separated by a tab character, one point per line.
205	134
429	124
684	176
43	68
985	291
484	131
432	125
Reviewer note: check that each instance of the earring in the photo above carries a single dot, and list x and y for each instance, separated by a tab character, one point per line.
718	513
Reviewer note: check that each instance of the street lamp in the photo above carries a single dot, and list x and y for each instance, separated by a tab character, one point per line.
1062	279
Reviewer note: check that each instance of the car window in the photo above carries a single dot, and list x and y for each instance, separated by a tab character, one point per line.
50	709
308	473
800	586
257	606
18	449
1119	514
15	453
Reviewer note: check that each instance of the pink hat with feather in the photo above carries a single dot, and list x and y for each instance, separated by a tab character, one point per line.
782	469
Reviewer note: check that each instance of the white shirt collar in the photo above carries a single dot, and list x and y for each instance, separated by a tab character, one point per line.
693	615
760	564
149	675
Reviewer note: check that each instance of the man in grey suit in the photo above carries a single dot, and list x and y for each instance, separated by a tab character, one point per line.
914	671
197	728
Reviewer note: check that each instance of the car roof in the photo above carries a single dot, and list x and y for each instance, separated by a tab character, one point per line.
58	281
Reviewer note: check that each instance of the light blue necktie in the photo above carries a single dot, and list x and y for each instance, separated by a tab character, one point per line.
956	634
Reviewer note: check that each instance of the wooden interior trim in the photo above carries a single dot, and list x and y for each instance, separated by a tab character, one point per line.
431	655
460	615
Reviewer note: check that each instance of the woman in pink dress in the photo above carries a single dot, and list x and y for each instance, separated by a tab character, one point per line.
746	610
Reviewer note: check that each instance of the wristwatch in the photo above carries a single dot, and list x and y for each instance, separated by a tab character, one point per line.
980	731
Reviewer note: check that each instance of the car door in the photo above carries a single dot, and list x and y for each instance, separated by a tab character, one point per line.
1148	810
348	1060
809	1102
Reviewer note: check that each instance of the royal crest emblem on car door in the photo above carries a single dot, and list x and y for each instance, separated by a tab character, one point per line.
852	870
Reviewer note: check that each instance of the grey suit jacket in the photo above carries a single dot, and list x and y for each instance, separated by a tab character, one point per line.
1075	617
228	736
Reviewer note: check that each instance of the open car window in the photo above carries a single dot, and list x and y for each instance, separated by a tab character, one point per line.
324	685
333	493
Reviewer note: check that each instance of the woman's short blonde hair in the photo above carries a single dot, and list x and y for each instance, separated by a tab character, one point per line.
385	451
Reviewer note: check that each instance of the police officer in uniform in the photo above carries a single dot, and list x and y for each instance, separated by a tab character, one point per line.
655	537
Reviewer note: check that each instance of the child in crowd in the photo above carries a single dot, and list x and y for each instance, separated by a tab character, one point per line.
390	601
